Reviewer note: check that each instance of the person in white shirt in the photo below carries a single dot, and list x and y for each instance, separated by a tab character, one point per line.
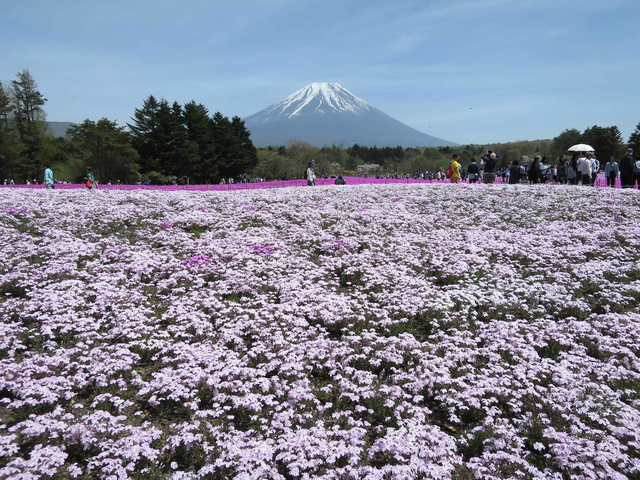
579	163
595	167
585	167
311	174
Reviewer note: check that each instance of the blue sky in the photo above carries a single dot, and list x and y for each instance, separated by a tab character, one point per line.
467	71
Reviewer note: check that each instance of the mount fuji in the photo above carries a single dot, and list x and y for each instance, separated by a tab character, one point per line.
327	113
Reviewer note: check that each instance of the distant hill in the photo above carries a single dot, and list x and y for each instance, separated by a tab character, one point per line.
327	113
59	129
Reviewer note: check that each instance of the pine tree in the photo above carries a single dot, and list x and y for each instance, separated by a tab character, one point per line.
243	145
29	119
235	153
199	133
172	137
565	140
9	147
634	140
178	141
223	145
6	108
144	134
606	141
161	138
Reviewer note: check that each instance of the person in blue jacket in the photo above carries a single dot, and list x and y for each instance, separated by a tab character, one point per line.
611	172
48	176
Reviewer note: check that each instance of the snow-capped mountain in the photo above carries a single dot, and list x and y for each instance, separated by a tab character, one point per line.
327	113
318	98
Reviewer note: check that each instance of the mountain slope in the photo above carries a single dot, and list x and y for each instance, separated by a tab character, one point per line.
59	129
327	113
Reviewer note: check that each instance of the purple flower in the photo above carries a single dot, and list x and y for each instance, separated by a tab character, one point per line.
261	249
197	260
15	211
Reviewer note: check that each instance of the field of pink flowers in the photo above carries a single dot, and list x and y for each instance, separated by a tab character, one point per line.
359	332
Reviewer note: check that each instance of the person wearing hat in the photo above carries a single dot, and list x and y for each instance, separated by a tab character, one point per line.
626	170
48	176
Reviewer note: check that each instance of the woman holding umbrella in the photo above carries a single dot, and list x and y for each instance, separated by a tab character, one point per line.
572	173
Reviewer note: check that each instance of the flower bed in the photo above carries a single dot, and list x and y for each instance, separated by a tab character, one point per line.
373	331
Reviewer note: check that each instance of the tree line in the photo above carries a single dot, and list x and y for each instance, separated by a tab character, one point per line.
167	140
275	162
163	141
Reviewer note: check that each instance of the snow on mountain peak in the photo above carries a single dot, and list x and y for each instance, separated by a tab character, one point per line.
321	98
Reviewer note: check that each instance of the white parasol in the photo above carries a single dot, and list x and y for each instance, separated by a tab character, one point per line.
581	147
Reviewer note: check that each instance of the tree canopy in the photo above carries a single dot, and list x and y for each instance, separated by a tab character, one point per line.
186	141
105	147
634	140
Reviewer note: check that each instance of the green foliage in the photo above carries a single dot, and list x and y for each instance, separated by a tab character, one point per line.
352	163
105	147
270	165
199	129
160	137
565	140
381	156
10	148
336	159
338	154
509	156
324	166
299	154
28	118
179	141
634	140
57	152
157	178
145	137
235	153
433	154
419	163
607	142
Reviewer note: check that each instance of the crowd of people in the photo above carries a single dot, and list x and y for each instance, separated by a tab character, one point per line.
582	169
